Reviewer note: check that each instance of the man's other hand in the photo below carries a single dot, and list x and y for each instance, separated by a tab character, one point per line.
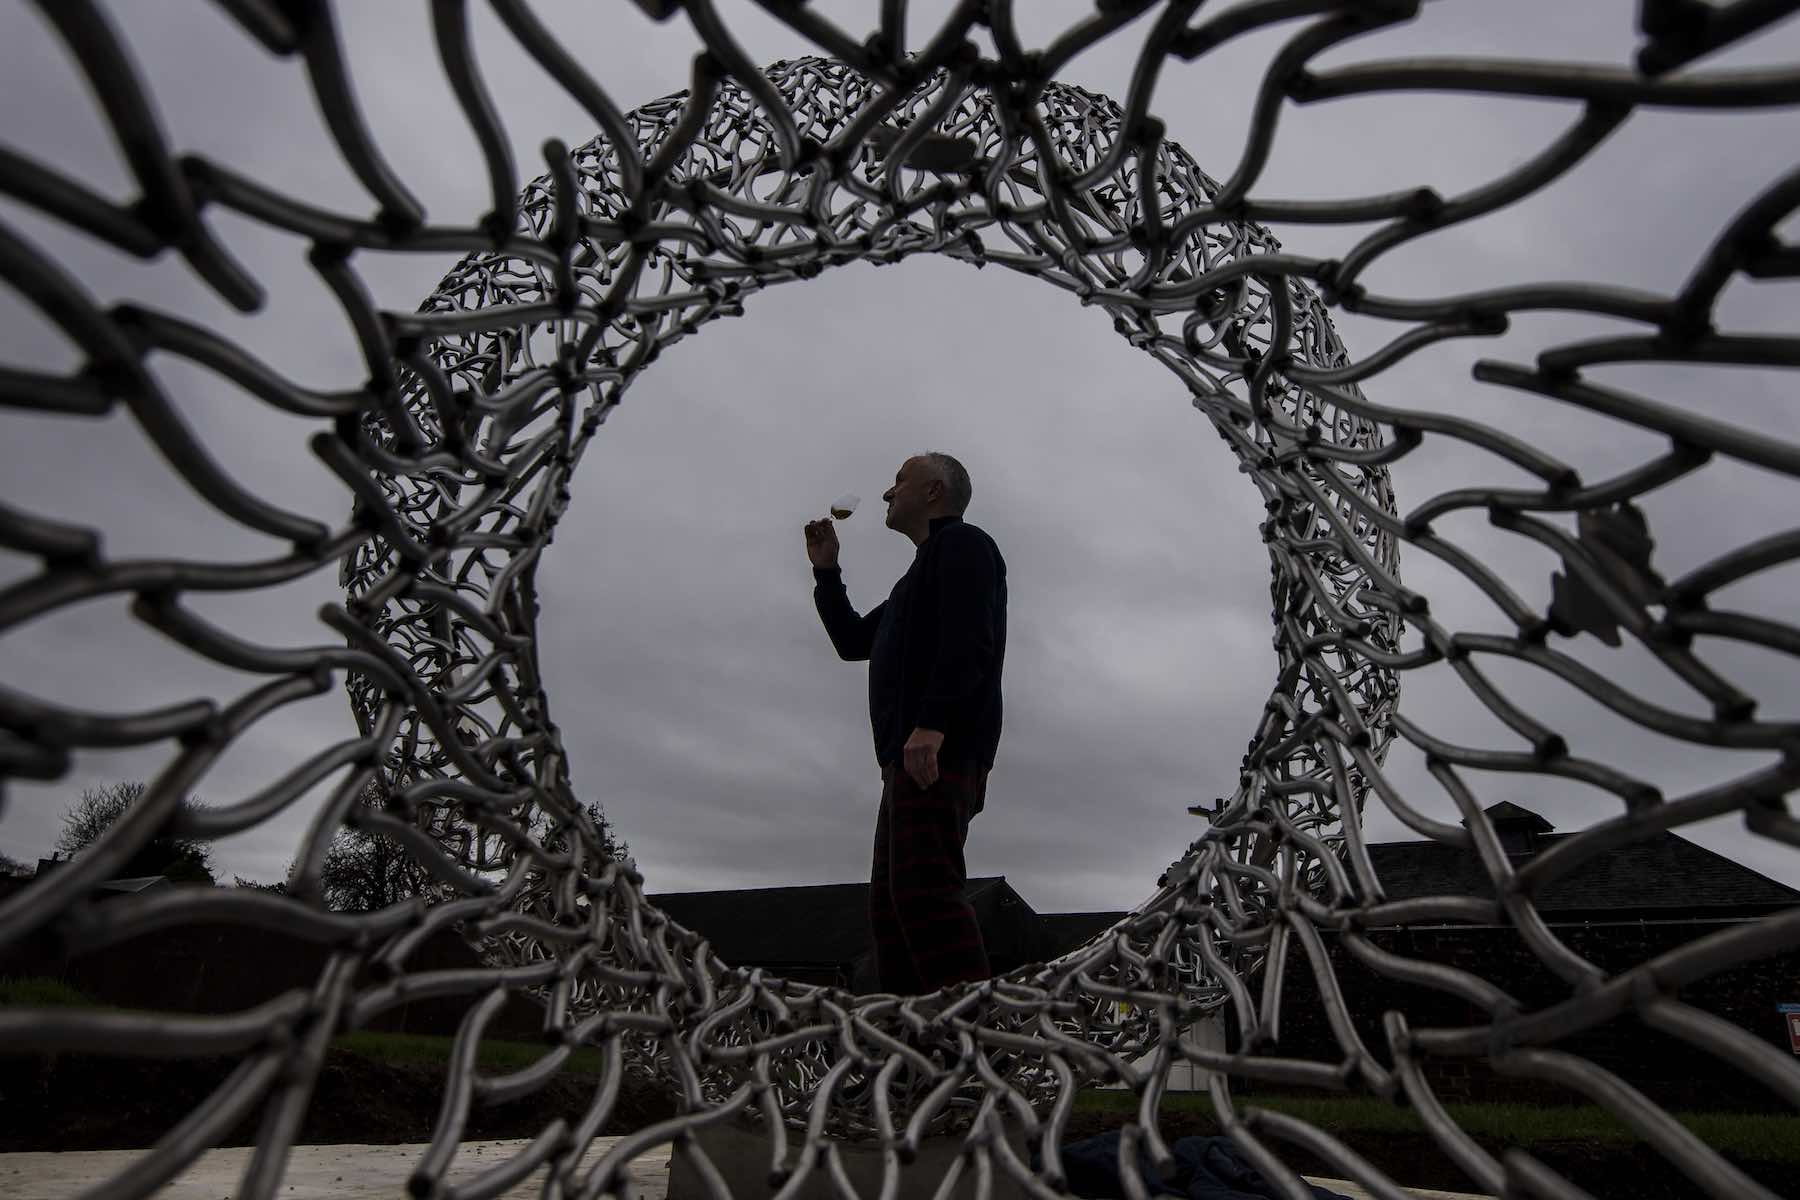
920	754
822	543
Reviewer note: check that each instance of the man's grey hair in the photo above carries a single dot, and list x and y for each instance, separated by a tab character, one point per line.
957	488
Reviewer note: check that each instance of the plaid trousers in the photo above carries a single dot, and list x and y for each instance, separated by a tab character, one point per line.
924	928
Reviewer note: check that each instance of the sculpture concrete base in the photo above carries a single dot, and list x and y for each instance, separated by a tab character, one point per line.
742	1157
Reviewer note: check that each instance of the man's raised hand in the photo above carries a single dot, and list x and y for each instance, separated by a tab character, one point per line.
822	543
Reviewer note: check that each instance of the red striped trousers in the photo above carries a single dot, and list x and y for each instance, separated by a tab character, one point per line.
924	928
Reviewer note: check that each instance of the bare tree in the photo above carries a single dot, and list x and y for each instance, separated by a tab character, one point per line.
184	860
364	870
557	838
12	866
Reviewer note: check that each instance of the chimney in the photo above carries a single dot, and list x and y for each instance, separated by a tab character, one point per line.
1520	830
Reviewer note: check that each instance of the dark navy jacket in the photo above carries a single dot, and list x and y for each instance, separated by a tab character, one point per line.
935	646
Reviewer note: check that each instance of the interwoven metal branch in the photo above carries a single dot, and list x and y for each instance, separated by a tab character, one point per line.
460	452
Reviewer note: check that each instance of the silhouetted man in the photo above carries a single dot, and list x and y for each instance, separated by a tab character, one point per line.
935	648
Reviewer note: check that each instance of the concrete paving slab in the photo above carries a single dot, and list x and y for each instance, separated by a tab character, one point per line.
368	1172
1356	1191
313	1172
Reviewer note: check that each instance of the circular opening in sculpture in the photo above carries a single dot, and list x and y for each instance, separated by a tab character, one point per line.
704	702
540	370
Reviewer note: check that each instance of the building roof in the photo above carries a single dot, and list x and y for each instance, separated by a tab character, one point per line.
137	883
1506	813
111	887
817	923
1660	876
1063	932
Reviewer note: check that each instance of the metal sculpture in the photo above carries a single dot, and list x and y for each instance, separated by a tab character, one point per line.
461	450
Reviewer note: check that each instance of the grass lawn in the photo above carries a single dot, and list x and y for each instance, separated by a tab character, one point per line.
1759	1136
36	991
1750	1136
493	1057
394	1049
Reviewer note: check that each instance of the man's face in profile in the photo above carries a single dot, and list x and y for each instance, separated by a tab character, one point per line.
906	500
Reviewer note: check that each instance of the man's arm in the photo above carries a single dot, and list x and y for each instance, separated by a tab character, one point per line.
967	584
852	635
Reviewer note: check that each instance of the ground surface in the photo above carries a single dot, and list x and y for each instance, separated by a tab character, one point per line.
70	1103
1604	1168
66	1103
358	1173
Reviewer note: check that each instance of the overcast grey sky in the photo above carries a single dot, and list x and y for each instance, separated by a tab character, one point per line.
699	699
